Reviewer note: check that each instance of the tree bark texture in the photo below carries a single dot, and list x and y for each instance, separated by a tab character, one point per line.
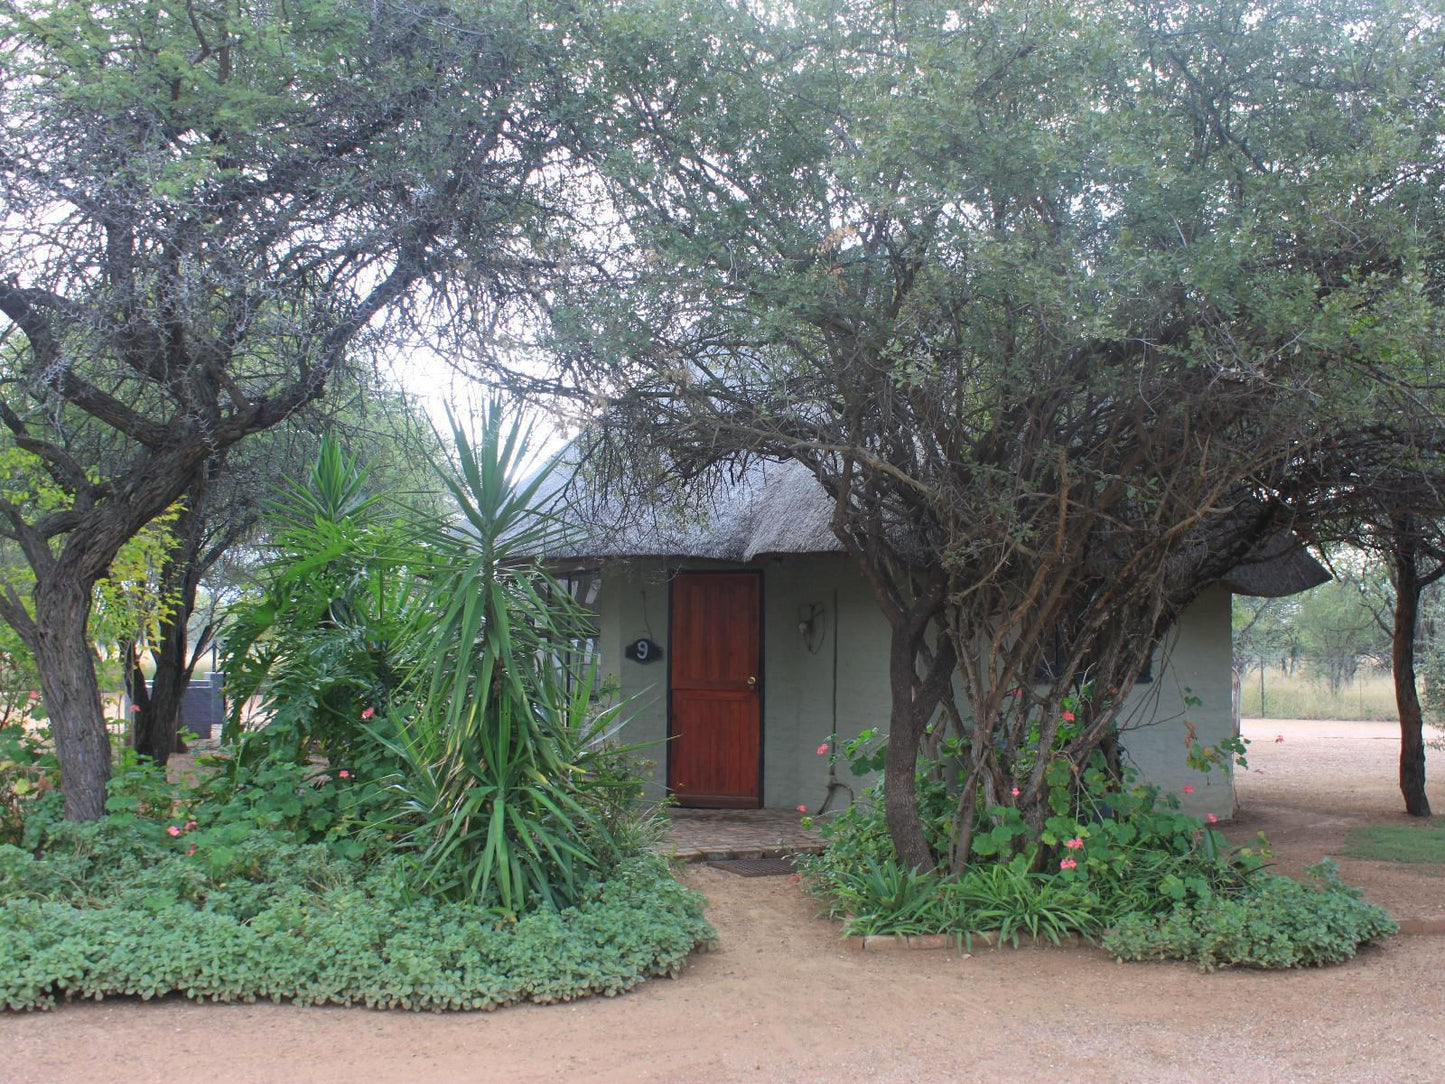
1402	656
72	695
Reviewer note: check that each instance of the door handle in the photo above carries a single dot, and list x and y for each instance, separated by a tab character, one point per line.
753	683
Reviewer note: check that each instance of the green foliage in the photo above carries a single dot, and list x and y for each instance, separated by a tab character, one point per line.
1108	860
28	772
1277	923
98	915
502	783
319	647
1418	842
879	896
1016	901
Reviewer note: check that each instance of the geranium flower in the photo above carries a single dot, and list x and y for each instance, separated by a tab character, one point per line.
173	831
1067	863
823	749
1015	792
344	774
1067	717
368	713
1074	844
1212	819
802	809
1188	788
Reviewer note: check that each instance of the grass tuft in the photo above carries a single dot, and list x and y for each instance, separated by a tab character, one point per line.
1422	842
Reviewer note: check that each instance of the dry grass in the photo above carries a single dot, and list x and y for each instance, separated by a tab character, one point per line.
1369	698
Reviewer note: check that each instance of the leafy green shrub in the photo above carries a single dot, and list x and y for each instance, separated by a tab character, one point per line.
1277	922
318	647
99	916
1106	856
28	771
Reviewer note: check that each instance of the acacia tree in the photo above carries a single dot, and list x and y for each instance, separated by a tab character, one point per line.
210	206
1062	306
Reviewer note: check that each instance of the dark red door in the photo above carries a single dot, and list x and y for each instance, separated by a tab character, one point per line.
714	755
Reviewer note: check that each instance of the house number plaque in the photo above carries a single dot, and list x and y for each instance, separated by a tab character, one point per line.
643	650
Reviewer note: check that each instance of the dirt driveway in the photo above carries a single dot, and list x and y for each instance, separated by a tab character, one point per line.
784	1001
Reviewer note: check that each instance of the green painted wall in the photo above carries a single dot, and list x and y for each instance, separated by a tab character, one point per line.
798	684
1196	665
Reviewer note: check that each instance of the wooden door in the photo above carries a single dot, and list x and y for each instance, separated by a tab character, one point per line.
715	755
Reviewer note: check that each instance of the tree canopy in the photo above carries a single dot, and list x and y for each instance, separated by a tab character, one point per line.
1068	306
210	207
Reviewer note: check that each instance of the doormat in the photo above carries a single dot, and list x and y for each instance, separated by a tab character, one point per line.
755	867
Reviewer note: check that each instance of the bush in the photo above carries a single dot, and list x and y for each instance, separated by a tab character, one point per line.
96	917
28	774
1108	856
1275	923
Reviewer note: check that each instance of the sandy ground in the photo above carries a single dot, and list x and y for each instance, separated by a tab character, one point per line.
784	1000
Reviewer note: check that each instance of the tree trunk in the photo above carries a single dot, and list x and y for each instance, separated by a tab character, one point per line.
72	695
900	798
158	721
1402	656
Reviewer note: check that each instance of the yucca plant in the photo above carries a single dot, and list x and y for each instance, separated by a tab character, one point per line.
497	784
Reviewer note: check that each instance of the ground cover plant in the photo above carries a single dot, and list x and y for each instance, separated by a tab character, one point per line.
1115	863
431	813
97	915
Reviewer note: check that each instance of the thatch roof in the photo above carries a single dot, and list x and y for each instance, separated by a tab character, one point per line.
774	509
767	509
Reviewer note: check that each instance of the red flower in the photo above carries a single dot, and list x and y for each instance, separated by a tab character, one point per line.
1067	863
1067	717
173	831
368	713
1188	788
1073	844
823	749
1212	819
1279	737
344	774
1015	792
802	809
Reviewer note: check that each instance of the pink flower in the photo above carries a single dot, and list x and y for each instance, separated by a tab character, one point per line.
34	695
1278	738
368	713
191	851
1073	844
1067	863
1212	819
802	809
173	831
344	774
136	707
823	749
1015	792
1188	788
190	825
1018	692
1067	717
